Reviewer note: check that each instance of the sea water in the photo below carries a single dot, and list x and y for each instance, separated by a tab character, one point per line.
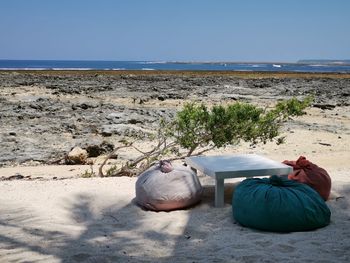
164	65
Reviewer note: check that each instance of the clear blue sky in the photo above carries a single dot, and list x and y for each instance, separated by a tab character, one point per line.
182	30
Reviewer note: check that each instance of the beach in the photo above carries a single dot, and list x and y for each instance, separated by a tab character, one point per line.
49	213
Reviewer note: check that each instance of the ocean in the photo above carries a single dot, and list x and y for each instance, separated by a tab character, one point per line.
163	65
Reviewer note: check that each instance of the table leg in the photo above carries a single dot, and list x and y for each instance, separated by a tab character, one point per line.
194	170
219	192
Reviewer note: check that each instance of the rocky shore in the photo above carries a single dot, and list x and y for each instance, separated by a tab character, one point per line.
45	114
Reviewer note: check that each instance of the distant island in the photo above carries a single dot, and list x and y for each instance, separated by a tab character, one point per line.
325	61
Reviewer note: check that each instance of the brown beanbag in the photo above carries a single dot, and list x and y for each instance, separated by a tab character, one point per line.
306	172
162	189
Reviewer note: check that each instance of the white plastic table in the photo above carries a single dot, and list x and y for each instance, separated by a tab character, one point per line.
233	166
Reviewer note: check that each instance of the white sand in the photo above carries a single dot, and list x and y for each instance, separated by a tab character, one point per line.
95	220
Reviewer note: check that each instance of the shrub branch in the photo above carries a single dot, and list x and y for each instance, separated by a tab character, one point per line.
198	129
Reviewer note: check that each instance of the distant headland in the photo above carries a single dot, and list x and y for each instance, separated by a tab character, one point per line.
325	61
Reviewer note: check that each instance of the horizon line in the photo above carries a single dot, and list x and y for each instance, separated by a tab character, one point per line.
186	61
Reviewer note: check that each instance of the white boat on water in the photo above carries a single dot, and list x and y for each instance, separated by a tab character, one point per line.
276	65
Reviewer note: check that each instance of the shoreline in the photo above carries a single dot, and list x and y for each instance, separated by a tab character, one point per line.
243	74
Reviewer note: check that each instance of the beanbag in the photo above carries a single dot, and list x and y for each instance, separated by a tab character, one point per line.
308	173
164	188
279	205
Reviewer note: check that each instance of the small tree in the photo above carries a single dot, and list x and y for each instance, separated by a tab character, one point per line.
198	129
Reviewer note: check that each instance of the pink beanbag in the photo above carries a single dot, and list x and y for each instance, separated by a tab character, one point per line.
164	188
308	173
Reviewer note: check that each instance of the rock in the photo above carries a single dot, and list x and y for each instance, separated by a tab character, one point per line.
36	106
83	106
324	106
106	133
117	117
97	150
134	121
93	150
77	156
325	144
122	129
126	117
17	176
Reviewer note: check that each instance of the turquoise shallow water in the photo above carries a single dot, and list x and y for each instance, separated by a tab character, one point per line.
160	65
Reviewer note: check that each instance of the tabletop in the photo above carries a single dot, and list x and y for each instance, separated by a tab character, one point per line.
238	165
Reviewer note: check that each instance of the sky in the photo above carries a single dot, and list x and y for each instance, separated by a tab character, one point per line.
175	30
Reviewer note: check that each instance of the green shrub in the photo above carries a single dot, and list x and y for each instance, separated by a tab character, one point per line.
88	174
198	126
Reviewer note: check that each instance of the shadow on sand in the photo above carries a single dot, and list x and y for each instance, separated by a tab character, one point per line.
126	233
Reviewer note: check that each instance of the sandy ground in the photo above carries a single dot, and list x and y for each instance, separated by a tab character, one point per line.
71	219
60	217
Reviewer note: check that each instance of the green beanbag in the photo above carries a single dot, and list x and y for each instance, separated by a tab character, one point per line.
279	205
